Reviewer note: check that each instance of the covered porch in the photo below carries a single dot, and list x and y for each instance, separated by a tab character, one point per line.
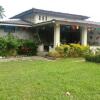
64	32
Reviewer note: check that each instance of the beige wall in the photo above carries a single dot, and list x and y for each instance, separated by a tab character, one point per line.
30	18
20	33
36	18
94	37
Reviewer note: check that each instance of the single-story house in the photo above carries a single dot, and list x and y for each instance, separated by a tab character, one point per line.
52	28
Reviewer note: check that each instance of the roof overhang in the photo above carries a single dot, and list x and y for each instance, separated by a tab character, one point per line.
5	24
15	22
70	22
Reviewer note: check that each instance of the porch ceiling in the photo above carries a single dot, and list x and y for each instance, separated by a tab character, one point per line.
70	22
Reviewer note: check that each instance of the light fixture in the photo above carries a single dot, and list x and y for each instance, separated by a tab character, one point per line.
77	27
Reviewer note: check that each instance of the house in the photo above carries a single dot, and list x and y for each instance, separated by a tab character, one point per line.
52	28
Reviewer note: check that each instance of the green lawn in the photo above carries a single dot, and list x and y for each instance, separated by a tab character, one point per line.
49	80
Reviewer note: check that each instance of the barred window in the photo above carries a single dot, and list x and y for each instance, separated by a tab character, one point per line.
9	29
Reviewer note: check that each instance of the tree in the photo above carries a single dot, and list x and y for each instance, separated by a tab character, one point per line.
1	12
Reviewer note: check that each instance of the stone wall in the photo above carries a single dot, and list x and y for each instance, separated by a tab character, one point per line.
94	37
21	33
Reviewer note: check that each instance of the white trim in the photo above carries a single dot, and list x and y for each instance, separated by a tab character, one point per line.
1	24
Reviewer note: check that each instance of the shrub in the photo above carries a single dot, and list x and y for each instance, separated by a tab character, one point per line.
28	48
10	46
72	50
54	54
78	50
93	58
2	46
63	49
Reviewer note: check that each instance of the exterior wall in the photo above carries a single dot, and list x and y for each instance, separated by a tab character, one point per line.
30	18
36	18
21	33
94	37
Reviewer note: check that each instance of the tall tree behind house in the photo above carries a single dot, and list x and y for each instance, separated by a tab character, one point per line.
1	12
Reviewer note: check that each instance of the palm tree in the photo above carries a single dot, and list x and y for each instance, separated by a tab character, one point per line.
1	12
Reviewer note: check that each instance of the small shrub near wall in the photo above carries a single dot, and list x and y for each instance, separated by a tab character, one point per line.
8	45
72	50
28	48
63	50
54	54
12	46
93	58
77	50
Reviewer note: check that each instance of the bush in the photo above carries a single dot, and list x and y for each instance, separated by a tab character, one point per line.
28	48
78	50
11	46
93	58
54	54
72	50
63	50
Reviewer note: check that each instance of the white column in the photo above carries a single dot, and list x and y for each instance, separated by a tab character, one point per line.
40	48
84	36
56	35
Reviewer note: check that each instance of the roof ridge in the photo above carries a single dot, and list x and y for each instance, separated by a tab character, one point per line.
58	12
51	13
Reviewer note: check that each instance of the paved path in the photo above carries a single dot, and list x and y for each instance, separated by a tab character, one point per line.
22	58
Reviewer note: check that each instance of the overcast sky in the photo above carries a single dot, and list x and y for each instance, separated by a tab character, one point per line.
89	8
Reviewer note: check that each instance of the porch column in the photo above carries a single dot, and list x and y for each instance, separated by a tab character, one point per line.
56	35
84	36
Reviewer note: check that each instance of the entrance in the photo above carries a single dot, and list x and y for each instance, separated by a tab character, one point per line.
46	36
70	34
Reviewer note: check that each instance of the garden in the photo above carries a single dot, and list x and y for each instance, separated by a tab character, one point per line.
76	51
68	78
12	46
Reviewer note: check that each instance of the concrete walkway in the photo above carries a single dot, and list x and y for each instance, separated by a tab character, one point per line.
20	58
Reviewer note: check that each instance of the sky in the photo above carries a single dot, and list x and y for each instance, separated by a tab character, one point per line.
81	7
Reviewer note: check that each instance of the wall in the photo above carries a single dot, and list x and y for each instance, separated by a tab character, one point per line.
94	37
30	18
21	33
36	18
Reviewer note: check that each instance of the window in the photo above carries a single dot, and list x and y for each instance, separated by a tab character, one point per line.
39	17
9	29
46	18
42	17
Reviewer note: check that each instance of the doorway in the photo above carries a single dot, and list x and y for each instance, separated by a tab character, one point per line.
70	34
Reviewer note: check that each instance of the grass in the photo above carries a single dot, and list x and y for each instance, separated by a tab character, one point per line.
49	80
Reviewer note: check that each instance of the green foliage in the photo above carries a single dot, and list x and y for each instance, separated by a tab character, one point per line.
72	50
54	54
10	46
77	50
11	42
2	43
63	49
93	58
28	48
1	12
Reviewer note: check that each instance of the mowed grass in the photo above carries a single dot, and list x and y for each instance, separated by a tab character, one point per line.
49	80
